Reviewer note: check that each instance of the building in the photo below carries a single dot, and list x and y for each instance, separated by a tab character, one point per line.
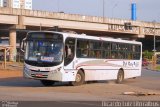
5	3
20	4
1	3
28	4
15	4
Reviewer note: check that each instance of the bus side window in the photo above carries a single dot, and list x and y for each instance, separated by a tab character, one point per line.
98	54
82	48
84	53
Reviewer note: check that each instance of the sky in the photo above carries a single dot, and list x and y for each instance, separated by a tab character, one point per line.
147	10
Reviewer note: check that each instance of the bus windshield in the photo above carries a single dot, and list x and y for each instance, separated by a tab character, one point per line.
46	51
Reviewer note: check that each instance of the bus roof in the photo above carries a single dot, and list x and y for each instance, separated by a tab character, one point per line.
84	36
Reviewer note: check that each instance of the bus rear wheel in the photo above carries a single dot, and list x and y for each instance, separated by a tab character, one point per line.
47	82
79	80
120	77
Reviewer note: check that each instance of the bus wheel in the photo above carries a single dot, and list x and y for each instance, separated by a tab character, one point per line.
120	77
47	82
80	78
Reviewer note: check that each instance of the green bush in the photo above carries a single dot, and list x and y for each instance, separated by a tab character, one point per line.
147	54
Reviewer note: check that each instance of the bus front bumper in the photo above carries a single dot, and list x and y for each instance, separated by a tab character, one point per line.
39	75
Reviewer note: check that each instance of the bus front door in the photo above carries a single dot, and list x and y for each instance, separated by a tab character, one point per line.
69	53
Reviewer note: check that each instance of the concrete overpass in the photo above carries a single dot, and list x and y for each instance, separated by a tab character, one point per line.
14	21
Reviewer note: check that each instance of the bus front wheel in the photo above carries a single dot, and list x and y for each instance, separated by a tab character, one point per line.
120	77
79	80
47	82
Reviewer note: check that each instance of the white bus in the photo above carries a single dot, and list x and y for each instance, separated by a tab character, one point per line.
56	56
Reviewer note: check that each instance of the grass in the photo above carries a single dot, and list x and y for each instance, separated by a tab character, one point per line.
158	67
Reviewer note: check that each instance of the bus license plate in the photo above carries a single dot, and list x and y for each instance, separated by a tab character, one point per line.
38	75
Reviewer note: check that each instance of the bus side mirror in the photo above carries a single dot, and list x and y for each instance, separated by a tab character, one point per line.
23	44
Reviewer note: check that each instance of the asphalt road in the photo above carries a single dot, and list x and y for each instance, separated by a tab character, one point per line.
148	80
20	89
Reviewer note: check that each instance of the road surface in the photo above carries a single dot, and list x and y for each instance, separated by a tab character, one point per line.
20	89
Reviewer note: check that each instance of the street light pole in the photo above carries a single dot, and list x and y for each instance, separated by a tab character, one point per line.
58	5
103	10
154	47
154	39
113	9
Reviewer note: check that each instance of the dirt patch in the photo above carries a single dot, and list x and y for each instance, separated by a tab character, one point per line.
7	73
13	69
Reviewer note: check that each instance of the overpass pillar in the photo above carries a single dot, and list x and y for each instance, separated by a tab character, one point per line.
141	34
12	42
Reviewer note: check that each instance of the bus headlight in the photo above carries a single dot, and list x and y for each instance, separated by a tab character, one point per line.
25	68
59	69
